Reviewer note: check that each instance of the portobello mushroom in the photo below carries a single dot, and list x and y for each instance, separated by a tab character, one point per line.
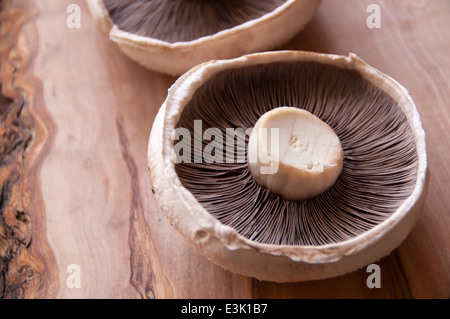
242	224
172	36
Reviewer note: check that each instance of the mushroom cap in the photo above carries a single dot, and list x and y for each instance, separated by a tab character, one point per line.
176	58
226	247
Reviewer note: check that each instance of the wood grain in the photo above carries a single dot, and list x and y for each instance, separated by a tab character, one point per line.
27	266
75	119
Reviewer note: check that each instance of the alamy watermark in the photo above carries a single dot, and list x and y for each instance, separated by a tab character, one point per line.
374	19
374	279
73	20
74	276
225	146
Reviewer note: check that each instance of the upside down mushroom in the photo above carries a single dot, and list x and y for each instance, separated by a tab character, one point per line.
367	207
172	36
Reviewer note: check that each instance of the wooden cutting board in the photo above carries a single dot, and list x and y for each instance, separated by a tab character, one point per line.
77	215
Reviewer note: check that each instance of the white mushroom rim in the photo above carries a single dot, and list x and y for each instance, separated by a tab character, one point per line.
189	217
150	44
256	35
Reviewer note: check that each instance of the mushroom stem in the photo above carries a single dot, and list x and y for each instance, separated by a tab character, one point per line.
294	154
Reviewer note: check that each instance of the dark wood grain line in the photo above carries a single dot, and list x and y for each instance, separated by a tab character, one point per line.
403	280
147	276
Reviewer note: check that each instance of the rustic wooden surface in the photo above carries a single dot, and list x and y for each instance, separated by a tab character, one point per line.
75	119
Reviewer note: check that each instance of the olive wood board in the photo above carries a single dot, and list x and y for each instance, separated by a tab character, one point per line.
77	215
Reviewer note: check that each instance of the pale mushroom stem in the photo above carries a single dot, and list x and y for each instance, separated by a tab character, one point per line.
294	154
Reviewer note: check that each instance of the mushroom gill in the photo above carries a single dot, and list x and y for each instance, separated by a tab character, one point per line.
186	20
380	158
